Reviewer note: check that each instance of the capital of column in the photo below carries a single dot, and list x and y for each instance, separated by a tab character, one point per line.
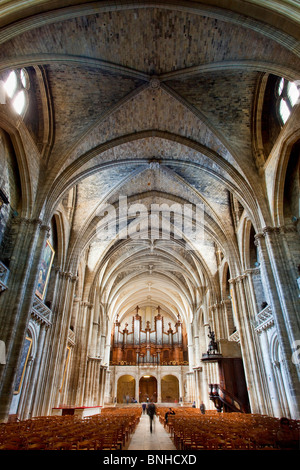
87	304
252	272
276	364
26	221
291	228
45	228
237	279
226	302
70	276
34	222
94	359
267	231
258	237
217	305
65	274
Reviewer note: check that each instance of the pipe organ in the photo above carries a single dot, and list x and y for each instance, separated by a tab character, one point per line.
146	344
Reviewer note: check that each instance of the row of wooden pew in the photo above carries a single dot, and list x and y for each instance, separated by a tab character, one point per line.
191	430
109	430
113	427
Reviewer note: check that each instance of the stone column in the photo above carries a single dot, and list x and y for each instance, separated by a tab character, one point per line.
94	338
248	346
258	365
196	379
93	380
190	386
272	386
102	346
96	390
204	384
197	350
29	407
16	302
190	346
67	304
137	396
25	388
191	356
181	384
281	389
103	385
217	315
158	378
228	317
57	341
276	284
88	382
114	383
83	329
107	351
250	287
100	390
75	313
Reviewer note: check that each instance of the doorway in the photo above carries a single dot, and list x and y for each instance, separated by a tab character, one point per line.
148	389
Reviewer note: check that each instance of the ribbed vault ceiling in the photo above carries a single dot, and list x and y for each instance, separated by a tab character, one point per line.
154	101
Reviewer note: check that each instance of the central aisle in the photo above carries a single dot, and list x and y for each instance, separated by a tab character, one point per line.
142	439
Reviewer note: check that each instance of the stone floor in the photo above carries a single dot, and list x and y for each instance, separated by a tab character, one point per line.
143	439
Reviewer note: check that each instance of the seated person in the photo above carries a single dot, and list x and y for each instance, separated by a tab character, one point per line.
169	412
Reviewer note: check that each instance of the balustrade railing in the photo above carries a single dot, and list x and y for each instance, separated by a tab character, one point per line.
264	318
145	363
41	312
4	274
222	397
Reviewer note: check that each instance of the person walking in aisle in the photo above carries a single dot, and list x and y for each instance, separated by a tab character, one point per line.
151	411
202	408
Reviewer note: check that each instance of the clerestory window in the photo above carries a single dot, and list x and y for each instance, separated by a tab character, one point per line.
16	87
288	96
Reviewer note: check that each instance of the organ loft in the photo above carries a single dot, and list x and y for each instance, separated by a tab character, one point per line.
143	343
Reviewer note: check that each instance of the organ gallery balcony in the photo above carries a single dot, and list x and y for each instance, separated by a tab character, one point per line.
142	341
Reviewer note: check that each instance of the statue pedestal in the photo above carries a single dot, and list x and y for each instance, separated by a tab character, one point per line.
211	357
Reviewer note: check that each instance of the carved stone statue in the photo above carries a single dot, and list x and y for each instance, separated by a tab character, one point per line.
212	346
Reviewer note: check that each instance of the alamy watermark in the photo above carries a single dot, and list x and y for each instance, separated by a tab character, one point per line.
159	221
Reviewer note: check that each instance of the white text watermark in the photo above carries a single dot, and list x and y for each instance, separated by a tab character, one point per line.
159	221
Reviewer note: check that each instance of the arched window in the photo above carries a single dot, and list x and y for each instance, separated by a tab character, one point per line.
288	96
16	87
